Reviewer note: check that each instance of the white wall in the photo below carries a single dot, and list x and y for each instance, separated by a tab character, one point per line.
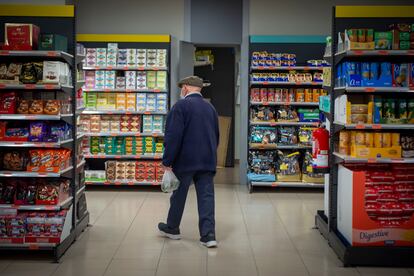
135	17
298	17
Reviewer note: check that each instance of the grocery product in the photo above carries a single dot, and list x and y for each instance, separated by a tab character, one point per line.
288	166
263	135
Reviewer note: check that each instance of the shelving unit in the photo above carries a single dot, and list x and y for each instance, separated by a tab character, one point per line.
56	20
331	221
305	48
97	161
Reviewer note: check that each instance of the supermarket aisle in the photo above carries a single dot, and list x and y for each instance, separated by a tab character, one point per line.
259	234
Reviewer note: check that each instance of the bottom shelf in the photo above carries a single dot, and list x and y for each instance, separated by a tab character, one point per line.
287	184
121	183
391	256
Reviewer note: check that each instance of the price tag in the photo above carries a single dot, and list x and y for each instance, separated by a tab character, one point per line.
360	126
376	126
49	208
155	69
107	90
51	53
358	53
383	52
110	67
117	182
42	174
128	113
137	134
298	83
49	86
273	124
155	184
125	67
34	246
397	160
372	160
141	68
4	53
117	157
275	184
410	52
2	86
113	134
265	103
147	113
129	90
370	89
130	183
157	90
29	86
97	67
265	82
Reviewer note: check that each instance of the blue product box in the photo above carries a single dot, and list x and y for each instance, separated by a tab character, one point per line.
338	77
352	74
380	75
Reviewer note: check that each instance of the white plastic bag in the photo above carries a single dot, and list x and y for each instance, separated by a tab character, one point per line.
170	182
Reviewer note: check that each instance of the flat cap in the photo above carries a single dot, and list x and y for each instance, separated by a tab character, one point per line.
191	80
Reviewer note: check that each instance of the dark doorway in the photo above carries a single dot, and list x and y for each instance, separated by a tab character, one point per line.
221	92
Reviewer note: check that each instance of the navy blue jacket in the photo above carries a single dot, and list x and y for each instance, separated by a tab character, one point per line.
191	136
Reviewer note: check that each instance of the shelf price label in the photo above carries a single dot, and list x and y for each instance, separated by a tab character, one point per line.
141	68
33	246
383	52
49	86
369	89
410	52
358	52
29	86
372	160
376	126
2	86
275	184
360	126
4	53
51	54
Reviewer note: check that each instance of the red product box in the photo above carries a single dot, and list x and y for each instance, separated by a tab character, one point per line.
8	102
21	36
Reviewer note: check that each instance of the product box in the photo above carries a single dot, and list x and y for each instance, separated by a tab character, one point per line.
90	57
53	42
373	215
120	83
411	75
351	74
89	79
100	79
151	102
122	57
111	101
142	80
161	61
131	79
383	40
326	76
109	79
151	79
375	74
21	36
102	102
130	102
161	103
141	57
54	72
368	152
91	101
111	58
161	80
141	102
101	57
151	57
352	44
400	75
121	101
131	57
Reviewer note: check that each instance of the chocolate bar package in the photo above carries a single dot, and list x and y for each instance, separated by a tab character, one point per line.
21	36
122	57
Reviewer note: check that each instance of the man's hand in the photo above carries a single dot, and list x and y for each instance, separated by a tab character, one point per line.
167	168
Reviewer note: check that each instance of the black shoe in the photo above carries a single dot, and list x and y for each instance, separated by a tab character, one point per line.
209	241
168	232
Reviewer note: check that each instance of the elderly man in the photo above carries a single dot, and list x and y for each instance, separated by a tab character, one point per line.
191	140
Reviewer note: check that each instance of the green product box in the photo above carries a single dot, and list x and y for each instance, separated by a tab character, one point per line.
119	146
404	45
404	36
53	42
383	40
109	145
91	100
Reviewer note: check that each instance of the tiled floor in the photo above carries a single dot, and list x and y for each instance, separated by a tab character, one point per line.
265	233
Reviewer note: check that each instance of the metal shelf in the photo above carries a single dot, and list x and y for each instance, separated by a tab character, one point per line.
34	117
374	126
124	134
350	159
50	87
287	184
121	183
103	90
125	68
284	123
285	103
372	89
285	83
37	53
119	112
284	68
63	205
275	146
80	192
34	144
108	156
33	174
371	53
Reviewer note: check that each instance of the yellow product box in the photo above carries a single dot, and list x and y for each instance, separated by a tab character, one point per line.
121	101
111	101
131	102
306	178
102	101
368	152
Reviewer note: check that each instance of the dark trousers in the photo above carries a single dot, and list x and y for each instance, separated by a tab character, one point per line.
204	185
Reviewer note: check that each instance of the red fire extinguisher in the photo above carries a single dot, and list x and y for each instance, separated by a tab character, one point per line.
320	150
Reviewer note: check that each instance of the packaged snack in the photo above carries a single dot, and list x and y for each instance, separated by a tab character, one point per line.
37	131
308	95
288	167
378	143
21	36
255	95
407	145
263	135
23	107
383	40
54	72
14	161
263	94
360	138
395	139
369	139
287	136
271	95
377	113
344	140
359	118
51	107
8	103
308	174
36	107
389	111
400	75
263	113
359	109
300	95
305	136
28	74
286	114
386	140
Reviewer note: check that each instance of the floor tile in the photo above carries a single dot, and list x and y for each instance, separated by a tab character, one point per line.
82	267
327	265
182	266
39	268
281	263
131	268
4	264
377	271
